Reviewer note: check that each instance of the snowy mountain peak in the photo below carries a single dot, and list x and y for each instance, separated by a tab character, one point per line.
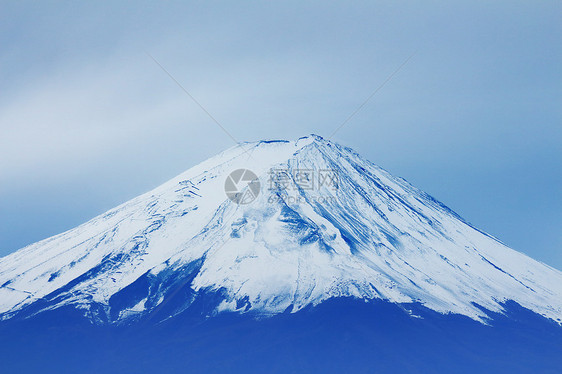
274	226
311	139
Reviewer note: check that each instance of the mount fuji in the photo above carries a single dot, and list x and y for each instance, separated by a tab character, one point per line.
280	256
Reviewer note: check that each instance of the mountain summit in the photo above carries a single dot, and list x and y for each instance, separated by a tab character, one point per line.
273	227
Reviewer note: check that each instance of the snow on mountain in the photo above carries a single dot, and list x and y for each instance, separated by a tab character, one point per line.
326	223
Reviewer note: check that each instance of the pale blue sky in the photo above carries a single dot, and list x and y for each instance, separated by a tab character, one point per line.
88	121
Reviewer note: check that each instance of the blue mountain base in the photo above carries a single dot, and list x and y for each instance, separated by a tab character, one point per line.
338	336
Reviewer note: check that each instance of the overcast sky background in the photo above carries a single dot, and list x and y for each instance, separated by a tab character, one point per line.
88	120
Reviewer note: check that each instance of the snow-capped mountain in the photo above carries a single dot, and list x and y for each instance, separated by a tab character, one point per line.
319	222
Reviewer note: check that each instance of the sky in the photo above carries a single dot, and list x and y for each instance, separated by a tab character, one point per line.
88	120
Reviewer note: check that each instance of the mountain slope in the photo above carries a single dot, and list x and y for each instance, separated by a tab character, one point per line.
342	335
369	236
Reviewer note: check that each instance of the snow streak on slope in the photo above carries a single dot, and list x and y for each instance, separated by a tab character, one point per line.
375	236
